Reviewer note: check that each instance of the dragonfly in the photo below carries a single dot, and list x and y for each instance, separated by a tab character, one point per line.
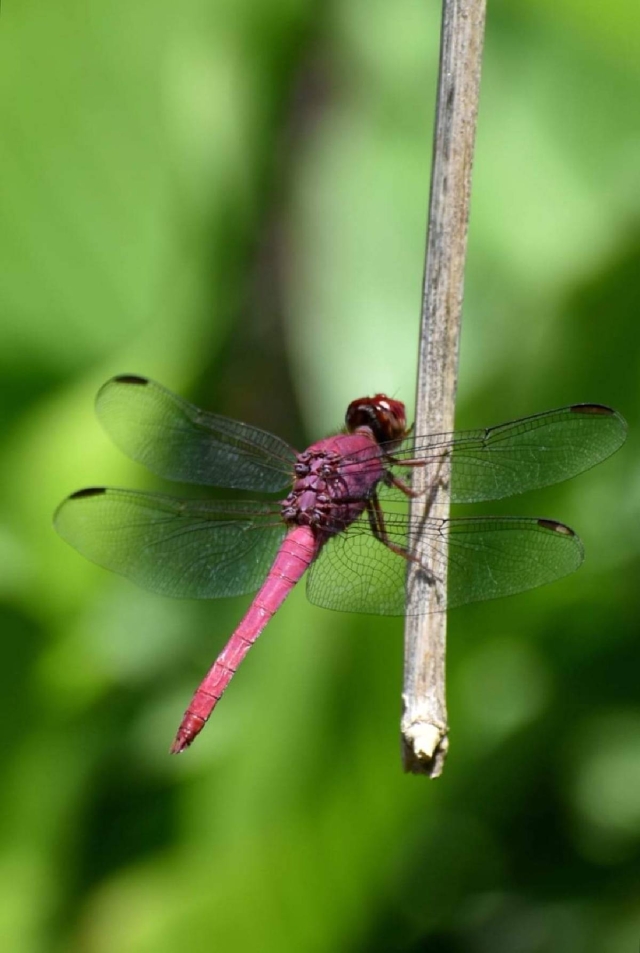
344	519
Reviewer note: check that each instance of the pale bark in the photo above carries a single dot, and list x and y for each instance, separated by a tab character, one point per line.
424	720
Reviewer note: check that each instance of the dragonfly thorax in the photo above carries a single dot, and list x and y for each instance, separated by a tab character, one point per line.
330	490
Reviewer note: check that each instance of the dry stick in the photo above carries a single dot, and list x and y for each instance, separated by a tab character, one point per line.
424	721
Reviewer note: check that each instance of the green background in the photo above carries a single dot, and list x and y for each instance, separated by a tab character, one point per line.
230	196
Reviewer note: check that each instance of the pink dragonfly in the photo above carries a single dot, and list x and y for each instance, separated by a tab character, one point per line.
341	519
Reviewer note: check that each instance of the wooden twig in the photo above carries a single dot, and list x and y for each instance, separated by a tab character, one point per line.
424	720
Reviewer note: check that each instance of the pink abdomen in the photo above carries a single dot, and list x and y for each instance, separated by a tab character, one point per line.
294	556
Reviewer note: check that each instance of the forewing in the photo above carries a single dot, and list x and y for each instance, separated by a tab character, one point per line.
177	441
487	559
183	548
518	456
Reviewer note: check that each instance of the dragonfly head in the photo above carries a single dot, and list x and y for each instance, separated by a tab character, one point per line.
385	417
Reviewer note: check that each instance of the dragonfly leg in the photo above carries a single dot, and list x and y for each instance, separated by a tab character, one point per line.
431	490
389	458
379	530
392	480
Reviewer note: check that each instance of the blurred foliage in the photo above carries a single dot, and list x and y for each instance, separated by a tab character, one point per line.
230	197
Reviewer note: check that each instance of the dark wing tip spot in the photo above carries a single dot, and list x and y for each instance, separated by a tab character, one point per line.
88	491
595	409
556	527
131	379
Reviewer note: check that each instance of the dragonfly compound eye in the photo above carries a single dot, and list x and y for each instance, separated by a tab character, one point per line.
385	417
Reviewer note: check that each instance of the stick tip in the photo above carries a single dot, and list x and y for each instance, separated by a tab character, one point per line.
425	741
424	748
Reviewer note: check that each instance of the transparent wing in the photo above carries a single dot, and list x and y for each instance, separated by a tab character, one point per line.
177	441
515	457
184	548
487	559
